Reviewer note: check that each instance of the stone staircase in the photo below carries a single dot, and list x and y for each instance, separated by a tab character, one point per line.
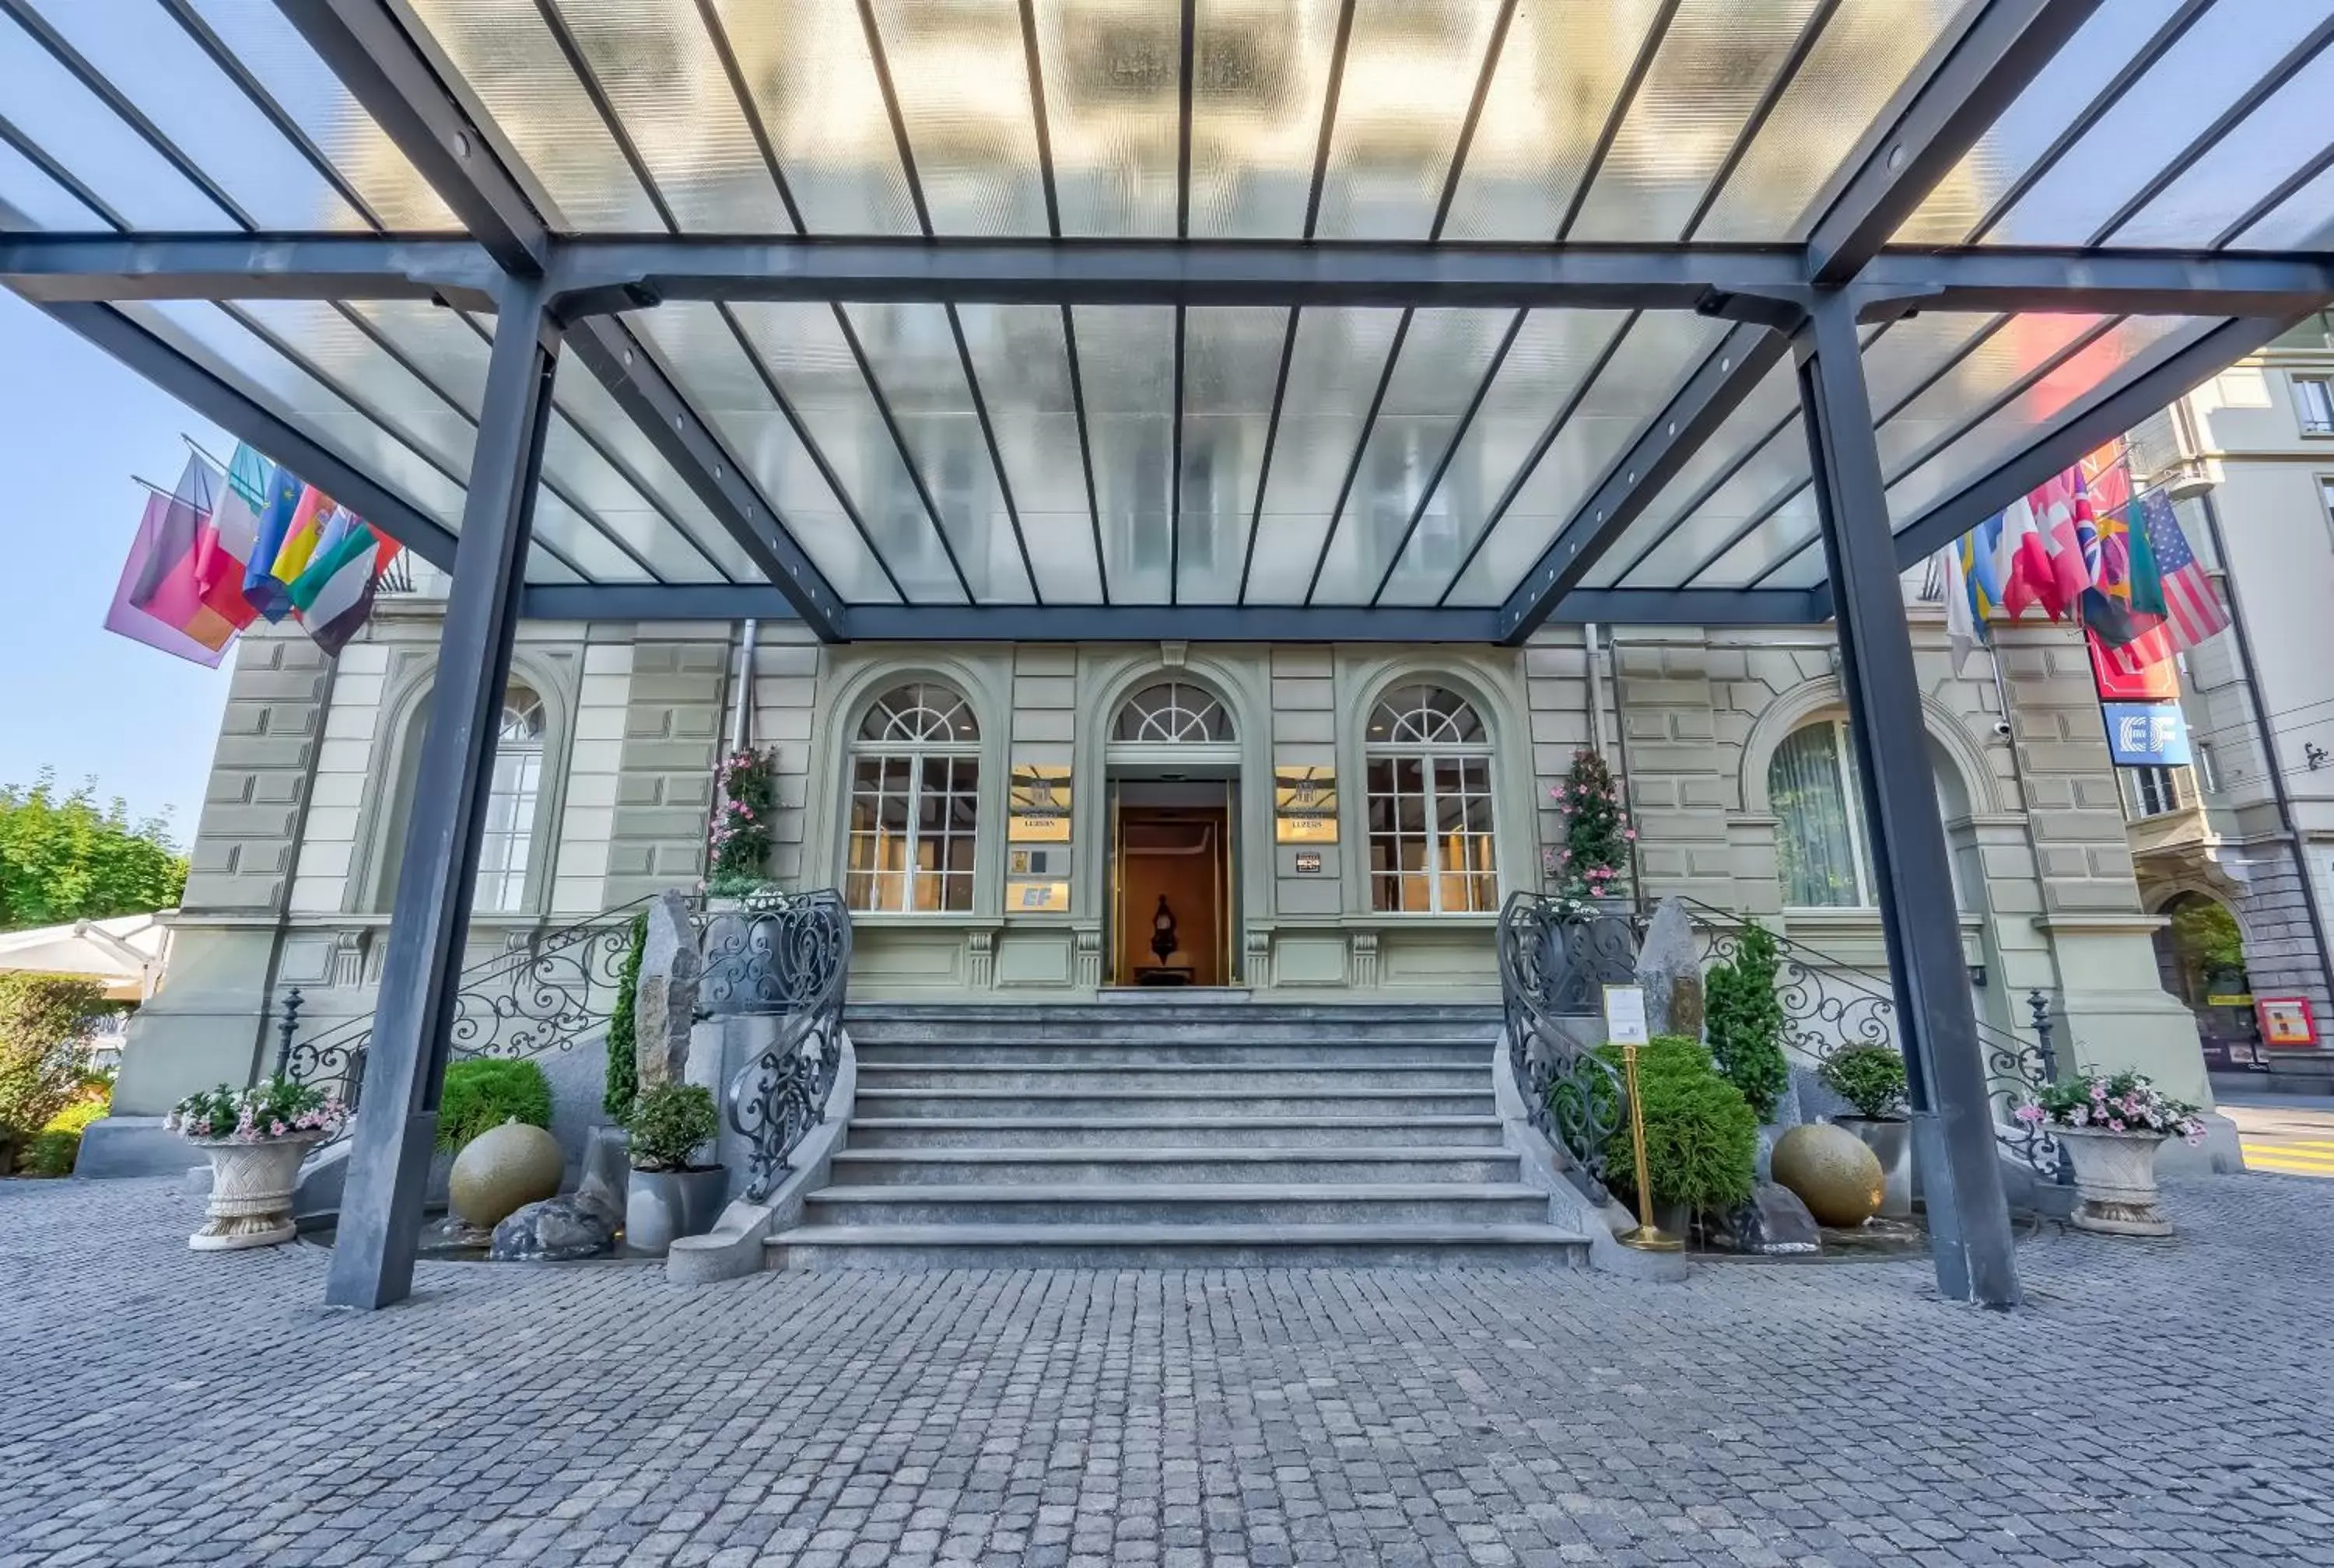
1173	1133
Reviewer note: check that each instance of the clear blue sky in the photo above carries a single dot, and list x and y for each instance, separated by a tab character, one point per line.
74	426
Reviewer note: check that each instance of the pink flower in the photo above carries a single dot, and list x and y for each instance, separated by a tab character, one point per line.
1629	835
2029	1114
2115	1126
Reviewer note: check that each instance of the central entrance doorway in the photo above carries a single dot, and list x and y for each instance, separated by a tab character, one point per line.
1172	783
1171	881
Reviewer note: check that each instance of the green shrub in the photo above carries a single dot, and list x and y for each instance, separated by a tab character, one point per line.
1745	1021
624	1083
487	1091
1869	1077
46	1022
670	1124
48	1154
1701	1137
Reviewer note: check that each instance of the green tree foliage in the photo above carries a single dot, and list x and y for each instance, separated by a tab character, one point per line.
2205	936
623	1079
1870	1078
1702	1139
45	1023
1745	1022
672	1122
485	1092
62	858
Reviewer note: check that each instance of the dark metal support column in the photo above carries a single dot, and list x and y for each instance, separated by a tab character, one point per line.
396	1124
1952	1115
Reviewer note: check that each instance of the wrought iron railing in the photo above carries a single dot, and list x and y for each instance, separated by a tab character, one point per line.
1829	1002
543	996
1556	956
786	954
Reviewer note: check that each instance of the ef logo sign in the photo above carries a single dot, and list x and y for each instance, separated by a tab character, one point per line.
2147	733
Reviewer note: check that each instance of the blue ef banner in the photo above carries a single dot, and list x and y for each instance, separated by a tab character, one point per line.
2145	734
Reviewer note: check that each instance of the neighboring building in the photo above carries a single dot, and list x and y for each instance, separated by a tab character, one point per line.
1007	819
2250	456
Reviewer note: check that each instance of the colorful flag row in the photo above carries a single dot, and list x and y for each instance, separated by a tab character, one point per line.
214	555
2086	545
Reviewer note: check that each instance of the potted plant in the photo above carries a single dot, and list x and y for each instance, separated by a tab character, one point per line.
1587	866
2111	1127
669	1197
1701	1138
1871	1078
256	1138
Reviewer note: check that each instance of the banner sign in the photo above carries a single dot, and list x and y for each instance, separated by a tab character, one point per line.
2145	734
2158	681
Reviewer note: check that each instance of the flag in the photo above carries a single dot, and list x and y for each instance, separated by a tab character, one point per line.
1964	631
2069	534
310	520
223	555
2191	610
2022	561
160	570
334	593
261	586
1976	549
249	475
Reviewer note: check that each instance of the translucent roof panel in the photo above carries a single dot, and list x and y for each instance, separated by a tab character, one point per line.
1660	350
1231	361
1335	365
2200	69
1114	92
964	99
1543	373
1260	79
1411	71
1022	361
1446	357
911	350
1126	358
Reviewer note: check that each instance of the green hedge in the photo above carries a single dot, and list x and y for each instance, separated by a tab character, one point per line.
487	1091
624	1083
1701	1137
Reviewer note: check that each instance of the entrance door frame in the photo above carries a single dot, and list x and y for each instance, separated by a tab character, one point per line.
1223	770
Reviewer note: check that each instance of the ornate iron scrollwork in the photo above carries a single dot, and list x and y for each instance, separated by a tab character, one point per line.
1556	956
786	954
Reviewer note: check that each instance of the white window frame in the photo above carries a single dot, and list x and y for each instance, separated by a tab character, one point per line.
2313	405
520	743
1427	752
1859	842
2173	791
913	750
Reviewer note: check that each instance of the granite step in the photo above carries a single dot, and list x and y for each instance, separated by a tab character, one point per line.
1357	1099
1257	1079
1213	1245
1196	1203
1213	1130
1179	1163
977	1051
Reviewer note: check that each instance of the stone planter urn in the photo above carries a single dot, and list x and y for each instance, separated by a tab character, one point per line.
1890	1138
2115	1179
251	1191
660	1207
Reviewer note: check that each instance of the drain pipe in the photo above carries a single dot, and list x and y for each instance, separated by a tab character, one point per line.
1620	759
741	720
1596	690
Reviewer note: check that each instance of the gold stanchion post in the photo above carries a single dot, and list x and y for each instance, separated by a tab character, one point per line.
1647	1236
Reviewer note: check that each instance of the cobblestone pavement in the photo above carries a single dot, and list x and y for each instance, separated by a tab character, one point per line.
166	1408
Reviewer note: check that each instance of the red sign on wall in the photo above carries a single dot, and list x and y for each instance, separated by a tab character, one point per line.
2156	682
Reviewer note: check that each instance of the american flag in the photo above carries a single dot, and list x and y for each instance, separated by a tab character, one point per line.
2191	610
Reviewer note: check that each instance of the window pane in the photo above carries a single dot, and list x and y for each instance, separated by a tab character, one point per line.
1815	849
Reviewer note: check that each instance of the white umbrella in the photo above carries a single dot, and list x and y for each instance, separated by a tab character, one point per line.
126	953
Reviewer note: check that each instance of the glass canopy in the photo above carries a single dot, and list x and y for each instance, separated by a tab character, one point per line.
1021	450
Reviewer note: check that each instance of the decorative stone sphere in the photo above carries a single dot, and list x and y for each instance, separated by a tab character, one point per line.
1833	1174
503	1170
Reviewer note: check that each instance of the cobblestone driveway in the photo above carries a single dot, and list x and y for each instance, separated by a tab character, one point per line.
165	1407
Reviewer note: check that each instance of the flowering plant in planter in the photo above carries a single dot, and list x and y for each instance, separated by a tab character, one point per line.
2126	1102
739	838
277	1107
1596	831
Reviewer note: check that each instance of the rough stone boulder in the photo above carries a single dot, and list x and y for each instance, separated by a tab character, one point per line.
582	1223
1773	1222
664	1001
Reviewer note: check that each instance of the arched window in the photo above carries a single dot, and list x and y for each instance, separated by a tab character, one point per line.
504	848
1823	848
1174	712
915	803
1429	786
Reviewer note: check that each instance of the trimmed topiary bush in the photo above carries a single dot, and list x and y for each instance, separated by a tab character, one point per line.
1701	1137
1869	1077
1745	1021
624	1083
670	1124
487	1091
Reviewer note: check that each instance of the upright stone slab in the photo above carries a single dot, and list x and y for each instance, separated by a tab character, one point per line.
1669	967
664	1003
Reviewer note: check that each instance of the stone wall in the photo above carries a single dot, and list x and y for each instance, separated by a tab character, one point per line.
674	725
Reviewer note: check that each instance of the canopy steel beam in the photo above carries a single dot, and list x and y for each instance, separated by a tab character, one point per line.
2107	413
2122	282
44	267
1970	1238
1188	623
1675	434
225	406
420	101
1915	143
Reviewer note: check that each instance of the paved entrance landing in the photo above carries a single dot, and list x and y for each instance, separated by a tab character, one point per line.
170	1408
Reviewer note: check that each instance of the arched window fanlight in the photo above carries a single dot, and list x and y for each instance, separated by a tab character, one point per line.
1427	789
1174	712
915	803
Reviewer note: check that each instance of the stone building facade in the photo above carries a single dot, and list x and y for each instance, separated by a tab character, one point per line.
1044	768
